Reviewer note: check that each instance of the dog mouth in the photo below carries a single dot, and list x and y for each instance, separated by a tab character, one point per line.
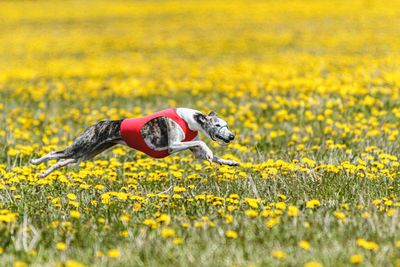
222	138
216	136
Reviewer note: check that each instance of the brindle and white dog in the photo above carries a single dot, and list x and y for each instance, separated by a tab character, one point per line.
159	134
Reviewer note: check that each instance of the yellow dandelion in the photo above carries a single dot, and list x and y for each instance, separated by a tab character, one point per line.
167	232
279	254
149	222
313	264
137	207
357	258
74	214
370	245
124	233
304	244
61	246
365	215
72	263
71	196
283	197
177	240
270	223
124	218
313	203
164	218
113	253
252	213
293	211
231	234
99	187
280	205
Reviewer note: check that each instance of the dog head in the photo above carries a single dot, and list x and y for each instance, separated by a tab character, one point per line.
214	127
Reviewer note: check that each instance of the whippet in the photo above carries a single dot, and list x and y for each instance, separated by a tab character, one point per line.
158	135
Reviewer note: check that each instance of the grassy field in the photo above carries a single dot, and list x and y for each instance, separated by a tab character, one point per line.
311	89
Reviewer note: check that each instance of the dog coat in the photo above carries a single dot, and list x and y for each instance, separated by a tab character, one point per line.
132	135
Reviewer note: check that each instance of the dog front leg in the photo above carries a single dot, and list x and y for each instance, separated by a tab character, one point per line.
206	152
201	154
221	161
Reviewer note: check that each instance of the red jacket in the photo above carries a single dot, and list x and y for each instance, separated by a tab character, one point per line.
131	132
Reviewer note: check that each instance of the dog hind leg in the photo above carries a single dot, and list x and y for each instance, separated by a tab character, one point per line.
64	162
94	153
59	164
52	155
93	138
86	142
100	149
92	141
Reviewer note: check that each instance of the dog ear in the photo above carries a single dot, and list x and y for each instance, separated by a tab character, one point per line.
212	113
200	118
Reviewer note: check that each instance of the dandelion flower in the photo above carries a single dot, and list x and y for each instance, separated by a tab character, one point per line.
74	214
304	244
231	234
167	232
164	218
313	203
113	253
61	246
279	254
357	258
293	211
252	213
313	264
72	263
177	240
71	196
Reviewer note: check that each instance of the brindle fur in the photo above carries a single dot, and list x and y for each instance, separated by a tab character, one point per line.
201	118
155	133
159	133
92	141
207	122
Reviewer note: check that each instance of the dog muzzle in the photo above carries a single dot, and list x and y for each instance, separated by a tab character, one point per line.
217	134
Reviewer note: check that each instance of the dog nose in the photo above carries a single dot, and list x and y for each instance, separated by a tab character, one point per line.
231	137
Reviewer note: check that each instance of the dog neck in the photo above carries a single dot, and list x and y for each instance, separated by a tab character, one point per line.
188	115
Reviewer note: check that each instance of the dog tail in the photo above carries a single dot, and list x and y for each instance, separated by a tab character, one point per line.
76	164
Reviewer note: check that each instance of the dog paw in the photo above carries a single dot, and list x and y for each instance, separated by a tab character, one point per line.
232	163
209	155
34	161
42	175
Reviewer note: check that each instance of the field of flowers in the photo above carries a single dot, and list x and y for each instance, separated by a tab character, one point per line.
311	89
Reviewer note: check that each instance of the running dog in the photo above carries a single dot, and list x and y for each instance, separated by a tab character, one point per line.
157	135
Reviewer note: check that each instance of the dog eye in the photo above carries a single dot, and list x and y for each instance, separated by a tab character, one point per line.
218	125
